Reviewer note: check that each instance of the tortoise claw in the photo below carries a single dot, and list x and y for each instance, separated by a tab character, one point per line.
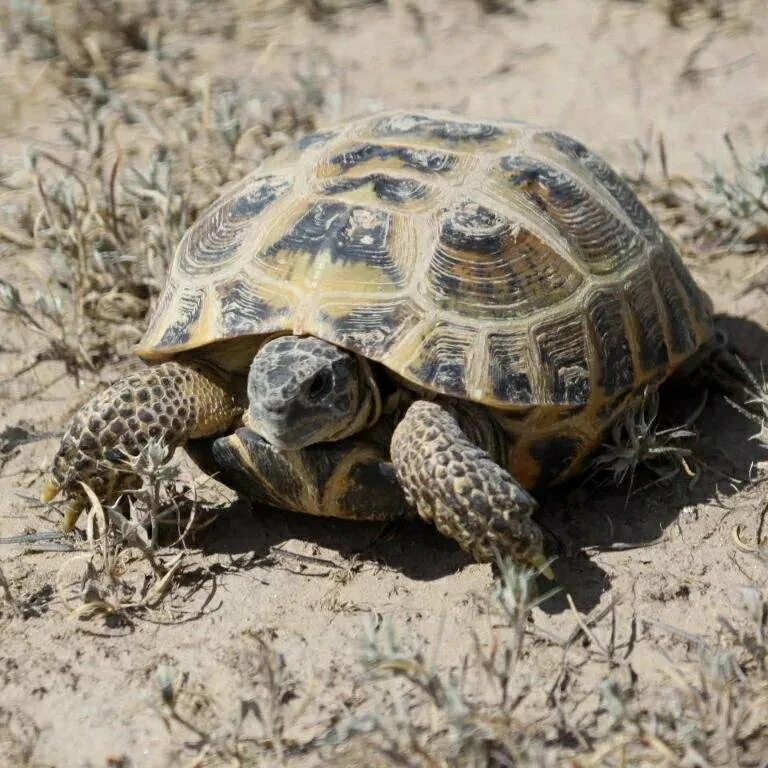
50	490
73	509
71	515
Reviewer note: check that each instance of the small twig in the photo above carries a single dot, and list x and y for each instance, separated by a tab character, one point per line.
583	625
17	238
304	558
736	536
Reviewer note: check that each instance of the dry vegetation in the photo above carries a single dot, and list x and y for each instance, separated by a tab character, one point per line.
141	139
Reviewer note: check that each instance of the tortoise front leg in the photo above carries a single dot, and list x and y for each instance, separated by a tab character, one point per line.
456	485
348	479
170	403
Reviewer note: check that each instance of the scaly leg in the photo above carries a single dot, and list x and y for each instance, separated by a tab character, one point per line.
172	402
455	484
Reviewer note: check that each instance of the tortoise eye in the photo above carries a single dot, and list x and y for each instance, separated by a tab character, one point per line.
319	386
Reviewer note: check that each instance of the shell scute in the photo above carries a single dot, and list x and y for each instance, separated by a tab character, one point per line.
346	233
388	189
487	266
428	161
614	353
217	237
564	354
602	240
441	129
682	338
603	173
509	367
442	361
244	307
647	321
188	312
372	328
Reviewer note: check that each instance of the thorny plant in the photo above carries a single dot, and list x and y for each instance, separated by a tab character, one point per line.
637	439
755	403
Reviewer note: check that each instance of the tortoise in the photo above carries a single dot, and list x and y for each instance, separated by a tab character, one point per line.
412	313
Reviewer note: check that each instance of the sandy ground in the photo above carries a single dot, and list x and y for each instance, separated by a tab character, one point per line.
77	692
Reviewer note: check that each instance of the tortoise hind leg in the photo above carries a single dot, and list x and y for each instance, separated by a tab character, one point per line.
347	479
455	484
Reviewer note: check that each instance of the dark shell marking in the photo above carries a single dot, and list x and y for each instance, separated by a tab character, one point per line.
485	265
641	299
216	237
602	240
443	358
428	161
508	367
374	328
318	139
242	309
350	234
387	188
189	308
609	179
682	336
698	302
564	356
613	349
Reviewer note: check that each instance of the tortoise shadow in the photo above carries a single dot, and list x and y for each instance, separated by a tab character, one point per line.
595	514
582	515
410	546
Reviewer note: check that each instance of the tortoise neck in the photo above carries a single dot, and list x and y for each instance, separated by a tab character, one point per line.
369	410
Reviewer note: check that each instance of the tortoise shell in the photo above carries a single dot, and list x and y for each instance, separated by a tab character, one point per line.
492	261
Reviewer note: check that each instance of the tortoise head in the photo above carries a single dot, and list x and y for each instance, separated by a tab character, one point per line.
302	390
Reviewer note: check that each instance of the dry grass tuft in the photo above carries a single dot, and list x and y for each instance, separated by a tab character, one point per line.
723	213
128	570
268	724
421	715
708	712
147	141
